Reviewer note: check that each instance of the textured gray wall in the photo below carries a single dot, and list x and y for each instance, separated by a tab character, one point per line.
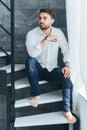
3	114
26	16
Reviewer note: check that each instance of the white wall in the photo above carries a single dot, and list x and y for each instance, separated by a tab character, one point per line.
76	11
83	41
73	9
82	109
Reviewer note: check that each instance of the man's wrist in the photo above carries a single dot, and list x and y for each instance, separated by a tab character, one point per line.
46	38
67	66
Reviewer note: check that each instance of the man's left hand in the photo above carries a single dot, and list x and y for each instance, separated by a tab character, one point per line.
66	72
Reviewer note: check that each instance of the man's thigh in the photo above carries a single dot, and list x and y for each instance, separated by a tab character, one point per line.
56	75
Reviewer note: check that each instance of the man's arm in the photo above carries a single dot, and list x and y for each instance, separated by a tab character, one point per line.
67	64
53	38
66	53
33	47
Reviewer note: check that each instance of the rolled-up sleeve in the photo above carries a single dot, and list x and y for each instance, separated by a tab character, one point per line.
33	48
64	47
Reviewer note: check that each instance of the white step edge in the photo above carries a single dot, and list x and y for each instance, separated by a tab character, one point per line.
49	97
2	54
23	83
41	119
18	67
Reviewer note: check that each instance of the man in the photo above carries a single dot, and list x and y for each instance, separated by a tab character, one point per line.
42	45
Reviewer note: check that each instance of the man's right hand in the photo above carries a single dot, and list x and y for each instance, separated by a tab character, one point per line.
53	38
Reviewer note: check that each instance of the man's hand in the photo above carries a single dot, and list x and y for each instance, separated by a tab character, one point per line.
66	72
53	38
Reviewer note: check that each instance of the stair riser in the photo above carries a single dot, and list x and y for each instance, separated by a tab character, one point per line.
51	127
43	108
25	92
2	62
18	75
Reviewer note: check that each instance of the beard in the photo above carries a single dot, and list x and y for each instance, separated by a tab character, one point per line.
45	27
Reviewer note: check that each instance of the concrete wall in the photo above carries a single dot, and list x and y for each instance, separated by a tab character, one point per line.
3	112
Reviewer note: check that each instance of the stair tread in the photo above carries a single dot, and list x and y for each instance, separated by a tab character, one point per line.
49	97
41	119
23	83
2	54
18	67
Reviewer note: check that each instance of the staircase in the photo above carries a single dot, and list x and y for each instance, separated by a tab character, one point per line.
48	114
20	115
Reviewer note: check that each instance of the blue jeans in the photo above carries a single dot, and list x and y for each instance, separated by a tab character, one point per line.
36	73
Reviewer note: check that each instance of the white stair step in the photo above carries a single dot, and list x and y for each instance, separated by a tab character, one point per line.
2	54
23	83
49	97
18	67
41	119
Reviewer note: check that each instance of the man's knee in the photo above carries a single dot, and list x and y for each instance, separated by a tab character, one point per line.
30	61
30	64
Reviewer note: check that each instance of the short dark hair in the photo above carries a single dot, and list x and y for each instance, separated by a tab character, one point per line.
49	11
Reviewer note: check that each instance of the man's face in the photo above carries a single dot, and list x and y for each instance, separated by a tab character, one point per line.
45	21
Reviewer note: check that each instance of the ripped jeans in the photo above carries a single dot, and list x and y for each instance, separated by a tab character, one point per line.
35	73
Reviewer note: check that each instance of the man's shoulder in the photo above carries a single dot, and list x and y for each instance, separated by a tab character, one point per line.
57	29
33	31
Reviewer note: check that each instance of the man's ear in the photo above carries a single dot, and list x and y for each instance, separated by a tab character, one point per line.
53	21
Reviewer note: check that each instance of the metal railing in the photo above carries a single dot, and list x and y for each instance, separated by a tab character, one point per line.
4	52
11	34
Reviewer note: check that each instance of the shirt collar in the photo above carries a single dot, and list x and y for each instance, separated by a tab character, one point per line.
40	31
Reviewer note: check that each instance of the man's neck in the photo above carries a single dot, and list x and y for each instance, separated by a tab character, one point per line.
47	31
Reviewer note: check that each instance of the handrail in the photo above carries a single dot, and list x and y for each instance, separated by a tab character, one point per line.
11	34
5	30
4	51
10	11
5	5
12	39
12	46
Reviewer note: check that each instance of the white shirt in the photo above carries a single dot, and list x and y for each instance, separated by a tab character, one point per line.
48	57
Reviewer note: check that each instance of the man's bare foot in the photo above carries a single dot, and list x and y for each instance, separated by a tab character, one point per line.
34	101
71	119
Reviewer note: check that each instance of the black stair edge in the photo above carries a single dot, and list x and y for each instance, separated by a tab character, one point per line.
76	126
46	127
42	108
